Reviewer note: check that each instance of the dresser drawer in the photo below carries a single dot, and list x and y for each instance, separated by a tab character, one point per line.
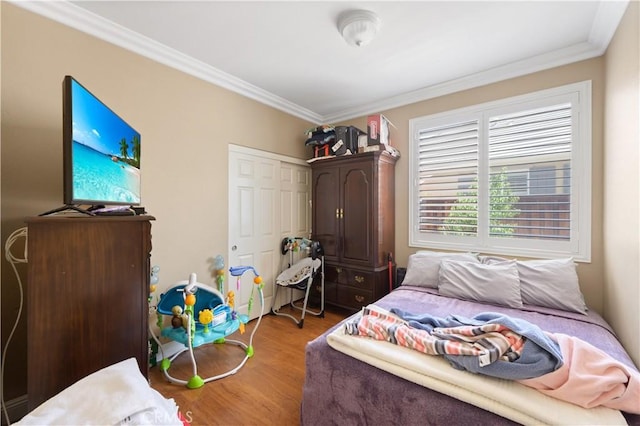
314	292
332	273
330	292
351	277
353	287
360	279
353	297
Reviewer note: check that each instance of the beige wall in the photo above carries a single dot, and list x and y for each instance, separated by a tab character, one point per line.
622	182
591	274
186	125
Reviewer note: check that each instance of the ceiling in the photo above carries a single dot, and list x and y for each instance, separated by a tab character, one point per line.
290	55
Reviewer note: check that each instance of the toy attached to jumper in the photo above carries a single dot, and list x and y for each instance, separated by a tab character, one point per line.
199	315
218	270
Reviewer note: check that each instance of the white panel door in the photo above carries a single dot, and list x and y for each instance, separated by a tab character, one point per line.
269	198
295	213
295	199
253	227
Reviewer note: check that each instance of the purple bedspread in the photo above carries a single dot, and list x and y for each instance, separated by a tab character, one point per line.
342	390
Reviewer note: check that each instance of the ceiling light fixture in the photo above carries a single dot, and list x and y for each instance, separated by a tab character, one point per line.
358	27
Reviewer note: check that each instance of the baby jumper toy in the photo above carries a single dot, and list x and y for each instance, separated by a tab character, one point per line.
199	315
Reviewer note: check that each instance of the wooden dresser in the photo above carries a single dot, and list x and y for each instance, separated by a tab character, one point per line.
86	296
354	219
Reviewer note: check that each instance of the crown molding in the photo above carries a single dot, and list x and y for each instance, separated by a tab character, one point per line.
554	59
607	19
606	22
82	20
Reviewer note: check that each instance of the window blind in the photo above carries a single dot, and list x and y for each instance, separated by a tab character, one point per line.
448	172
539	141
511	176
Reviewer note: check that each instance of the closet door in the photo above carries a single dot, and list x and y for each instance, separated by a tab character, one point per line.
268	197
253	227
295	216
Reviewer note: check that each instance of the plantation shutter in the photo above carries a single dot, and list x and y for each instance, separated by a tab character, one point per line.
511	176
538	143
448	178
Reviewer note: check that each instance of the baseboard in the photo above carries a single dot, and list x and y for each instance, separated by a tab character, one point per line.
284	298
17	408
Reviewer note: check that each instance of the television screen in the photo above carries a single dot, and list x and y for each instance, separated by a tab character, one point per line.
101	151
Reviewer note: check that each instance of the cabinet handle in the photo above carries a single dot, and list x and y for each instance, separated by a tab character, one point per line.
359	298
337	213
359	279
341	213
338	270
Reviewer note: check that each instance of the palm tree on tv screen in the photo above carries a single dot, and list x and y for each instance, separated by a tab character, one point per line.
124	148
136	150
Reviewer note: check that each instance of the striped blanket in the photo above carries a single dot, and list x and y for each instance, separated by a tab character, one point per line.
490	344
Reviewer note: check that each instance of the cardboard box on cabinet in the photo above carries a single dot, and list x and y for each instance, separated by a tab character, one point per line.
378	130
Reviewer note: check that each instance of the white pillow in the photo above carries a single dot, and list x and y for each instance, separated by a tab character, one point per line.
492	260
423	267
552	284
498	284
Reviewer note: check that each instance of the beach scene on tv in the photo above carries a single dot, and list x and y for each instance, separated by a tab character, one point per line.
105	153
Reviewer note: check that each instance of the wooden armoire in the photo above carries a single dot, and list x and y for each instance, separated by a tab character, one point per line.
353	217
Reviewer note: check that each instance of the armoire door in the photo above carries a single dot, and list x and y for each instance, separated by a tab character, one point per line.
356	215
326	210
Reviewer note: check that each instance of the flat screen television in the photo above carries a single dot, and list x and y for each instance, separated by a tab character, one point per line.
101	152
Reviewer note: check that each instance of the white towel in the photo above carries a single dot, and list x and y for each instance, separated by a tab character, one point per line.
114	395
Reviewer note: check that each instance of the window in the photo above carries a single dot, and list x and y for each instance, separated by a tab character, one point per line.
509	177
543	180
519	181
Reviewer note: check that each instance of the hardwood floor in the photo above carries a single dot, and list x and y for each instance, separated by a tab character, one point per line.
267	390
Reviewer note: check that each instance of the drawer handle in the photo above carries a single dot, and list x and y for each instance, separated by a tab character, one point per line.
359	298
338	270
359	279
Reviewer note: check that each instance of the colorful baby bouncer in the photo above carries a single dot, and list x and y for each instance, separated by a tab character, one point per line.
201	315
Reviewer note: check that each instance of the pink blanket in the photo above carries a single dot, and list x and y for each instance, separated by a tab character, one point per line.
589	377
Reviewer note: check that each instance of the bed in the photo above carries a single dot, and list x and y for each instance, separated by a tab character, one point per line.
353	380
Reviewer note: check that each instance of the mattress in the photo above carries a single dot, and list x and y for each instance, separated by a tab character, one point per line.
340	389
